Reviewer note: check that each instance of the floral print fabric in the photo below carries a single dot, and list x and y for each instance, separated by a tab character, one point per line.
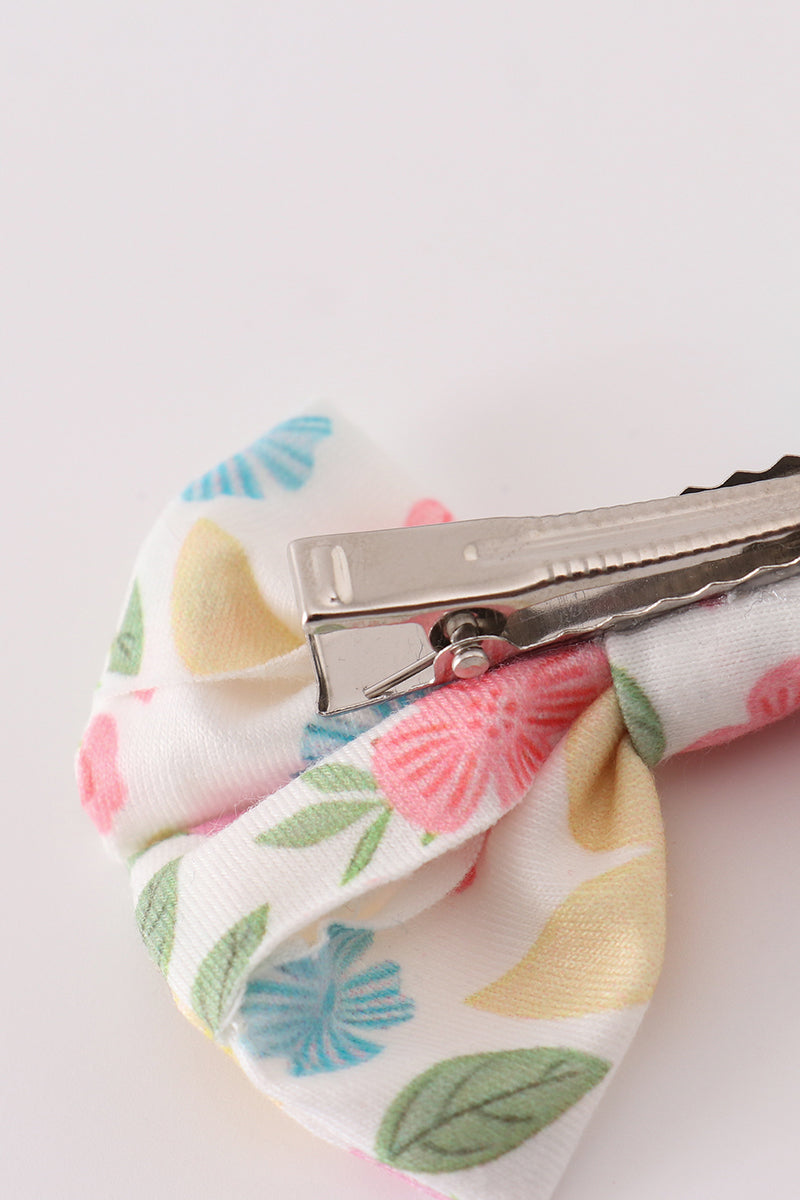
428	928
460	741
102	788
316	1012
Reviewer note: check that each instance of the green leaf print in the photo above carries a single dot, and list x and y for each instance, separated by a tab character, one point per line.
473	1109
126	649
156	910
340	777
362	855
642	720
316	823
222	969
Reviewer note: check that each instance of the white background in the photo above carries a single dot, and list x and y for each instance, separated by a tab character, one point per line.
549	255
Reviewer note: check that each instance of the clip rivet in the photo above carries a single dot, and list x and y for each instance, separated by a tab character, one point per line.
469	662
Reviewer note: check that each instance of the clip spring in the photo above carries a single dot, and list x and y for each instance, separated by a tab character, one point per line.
390	611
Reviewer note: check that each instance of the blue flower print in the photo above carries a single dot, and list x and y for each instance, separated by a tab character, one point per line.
314	1012
286	454
325	735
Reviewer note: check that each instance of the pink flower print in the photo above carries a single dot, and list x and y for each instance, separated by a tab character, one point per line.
775	695
102	788
496	731
428	512
214	824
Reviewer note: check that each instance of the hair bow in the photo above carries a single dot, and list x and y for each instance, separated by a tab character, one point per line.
429	927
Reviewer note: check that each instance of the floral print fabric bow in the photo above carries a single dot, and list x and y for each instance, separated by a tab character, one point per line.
428	928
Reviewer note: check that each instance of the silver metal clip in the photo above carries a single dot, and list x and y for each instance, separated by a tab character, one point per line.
393	610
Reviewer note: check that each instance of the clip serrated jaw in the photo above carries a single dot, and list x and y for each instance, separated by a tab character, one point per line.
390	611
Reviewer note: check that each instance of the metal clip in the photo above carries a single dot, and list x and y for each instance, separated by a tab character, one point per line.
393	610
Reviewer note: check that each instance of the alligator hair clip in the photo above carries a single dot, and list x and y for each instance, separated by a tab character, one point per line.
391	611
